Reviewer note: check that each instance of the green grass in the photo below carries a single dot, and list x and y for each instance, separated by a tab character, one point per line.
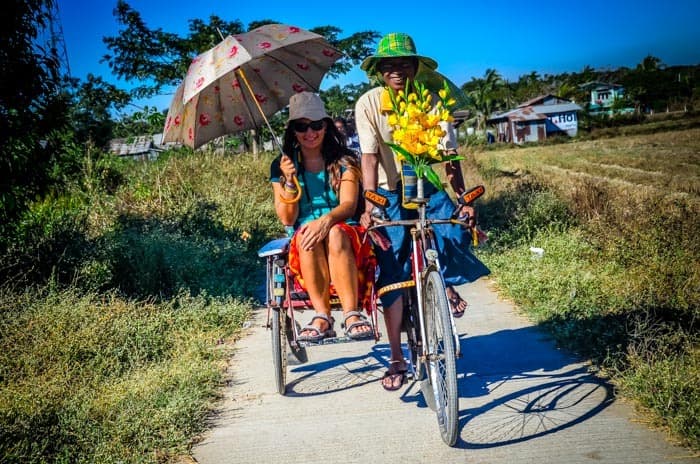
96	378
619	282
121	305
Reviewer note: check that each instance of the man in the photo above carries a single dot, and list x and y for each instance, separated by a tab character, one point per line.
350	137
395	63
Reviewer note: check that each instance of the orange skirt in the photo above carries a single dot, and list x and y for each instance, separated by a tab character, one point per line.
365	260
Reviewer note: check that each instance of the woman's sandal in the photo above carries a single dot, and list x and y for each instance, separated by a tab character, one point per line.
363	322
394	375
320	335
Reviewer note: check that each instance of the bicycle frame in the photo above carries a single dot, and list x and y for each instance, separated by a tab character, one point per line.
439	345
423	250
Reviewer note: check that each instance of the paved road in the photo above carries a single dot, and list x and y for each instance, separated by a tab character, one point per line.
521	401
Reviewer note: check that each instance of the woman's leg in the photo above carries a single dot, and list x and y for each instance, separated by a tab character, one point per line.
343	274
314	269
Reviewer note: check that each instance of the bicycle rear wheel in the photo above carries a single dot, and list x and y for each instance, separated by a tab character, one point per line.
440	348
278	328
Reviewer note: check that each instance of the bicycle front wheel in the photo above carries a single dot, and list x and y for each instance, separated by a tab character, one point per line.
442	366
278	328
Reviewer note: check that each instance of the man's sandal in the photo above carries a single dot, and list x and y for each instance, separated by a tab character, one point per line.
320	335
393	375
363	322
456	301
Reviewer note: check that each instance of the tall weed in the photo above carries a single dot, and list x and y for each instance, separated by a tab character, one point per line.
619	281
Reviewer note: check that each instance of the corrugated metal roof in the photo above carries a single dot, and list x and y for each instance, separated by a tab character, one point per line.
534	113
560	108
541	99
520	114
137	146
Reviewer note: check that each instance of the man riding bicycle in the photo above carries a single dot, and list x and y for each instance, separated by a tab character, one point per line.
396	64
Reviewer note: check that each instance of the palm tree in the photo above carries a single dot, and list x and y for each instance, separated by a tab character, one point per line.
483	93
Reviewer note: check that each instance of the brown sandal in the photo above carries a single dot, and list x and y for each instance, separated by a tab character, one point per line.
394	375
455	302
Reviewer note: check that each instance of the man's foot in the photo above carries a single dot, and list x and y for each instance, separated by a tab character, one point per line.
320	327
457	304
357	326
395	376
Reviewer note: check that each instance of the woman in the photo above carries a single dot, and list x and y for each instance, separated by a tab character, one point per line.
316	184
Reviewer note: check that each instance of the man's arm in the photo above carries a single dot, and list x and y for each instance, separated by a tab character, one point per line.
369	166
456	178
454	175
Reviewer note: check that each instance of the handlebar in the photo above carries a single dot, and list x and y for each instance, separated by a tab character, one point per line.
379	219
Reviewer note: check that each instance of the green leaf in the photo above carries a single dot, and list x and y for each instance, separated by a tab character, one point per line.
433	178
410	159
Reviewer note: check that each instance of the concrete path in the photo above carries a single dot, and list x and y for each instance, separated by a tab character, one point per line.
521	401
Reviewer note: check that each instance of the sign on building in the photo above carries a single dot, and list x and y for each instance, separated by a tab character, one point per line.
564	121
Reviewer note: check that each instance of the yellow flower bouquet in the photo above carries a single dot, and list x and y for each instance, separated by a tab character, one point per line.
417	131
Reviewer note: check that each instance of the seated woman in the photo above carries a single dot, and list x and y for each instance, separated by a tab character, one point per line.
316	184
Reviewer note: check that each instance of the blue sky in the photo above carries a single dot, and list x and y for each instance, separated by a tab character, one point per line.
466	37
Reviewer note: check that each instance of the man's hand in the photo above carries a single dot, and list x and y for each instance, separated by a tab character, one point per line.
467	211
366	217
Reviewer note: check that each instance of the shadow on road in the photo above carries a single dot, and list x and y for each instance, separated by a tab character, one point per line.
338	374
514	386
517	387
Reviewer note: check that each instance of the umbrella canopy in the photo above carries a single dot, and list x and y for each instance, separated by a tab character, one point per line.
247	77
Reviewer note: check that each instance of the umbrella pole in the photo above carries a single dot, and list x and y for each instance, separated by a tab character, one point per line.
250	90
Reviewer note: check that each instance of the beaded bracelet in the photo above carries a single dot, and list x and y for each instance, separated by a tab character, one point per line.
297	192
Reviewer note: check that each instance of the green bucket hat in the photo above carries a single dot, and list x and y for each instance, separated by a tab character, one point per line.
395	45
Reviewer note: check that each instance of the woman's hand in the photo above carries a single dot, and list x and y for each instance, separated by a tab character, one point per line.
287	167
311	233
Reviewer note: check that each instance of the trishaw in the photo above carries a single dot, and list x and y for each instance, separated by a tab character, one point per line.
432	339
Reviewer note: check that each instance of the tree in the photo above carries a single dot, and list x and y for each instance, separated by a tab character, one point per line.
158	60
92	111
338	99
147	120
483	94
33	108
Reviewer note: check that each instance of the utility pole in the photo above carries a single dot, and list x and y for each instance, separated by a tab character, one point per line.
56	40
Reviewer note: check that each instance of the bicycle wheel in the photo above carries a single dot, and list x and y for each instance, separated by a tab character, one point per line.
279	348
411	325
442	368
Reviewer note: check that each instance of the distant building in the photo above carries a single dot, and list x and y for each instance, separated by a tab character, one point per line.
603	97
537	119
143	147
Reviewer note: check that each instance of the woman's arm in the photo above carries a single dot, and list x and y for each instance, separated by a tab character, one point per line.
286	212
283	169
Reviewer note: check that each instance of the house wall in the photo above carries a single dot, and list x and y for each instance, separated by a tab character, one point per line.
605	96
529	131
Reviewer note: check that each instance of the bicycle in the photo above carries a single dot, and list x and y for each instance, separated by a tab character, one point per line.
432	337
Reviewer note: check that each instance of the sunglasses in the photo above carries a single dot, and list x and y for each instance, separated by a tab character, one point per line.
302	127
390	65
